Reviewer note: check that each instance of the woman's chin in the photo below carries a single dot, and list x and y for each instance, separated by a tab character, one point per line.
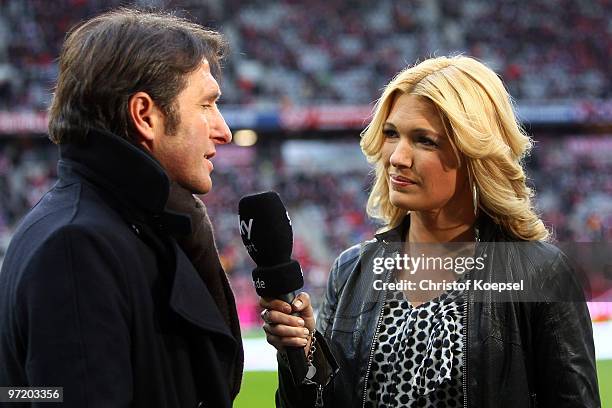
403	202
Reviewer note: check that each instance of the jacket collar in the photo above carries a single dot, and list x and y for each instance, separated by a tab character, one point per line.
124	171
395	234
488	230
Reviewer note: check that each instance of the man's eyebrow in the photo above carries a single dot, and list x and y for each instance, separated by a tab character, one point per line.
211	96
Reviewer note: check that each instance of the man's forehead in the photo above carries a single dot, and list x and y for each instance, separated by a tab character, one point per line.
204	83
205	65
210	88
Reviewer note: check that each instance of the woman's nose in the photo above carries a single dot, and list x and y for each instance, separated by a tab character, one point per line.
401	155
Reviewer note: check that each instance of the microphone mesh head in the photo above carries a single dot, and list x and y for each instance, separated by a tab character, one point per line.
265	228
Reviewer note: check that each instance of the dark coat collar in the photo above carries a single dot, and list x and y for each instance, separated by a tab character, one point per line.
129	174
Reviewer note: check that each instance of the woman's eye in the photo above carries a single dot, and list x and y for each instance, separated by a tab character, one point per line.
426	141
389	133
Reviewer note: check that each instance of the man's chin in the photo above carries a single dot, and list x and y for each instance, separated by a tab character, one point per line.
203	190
202	187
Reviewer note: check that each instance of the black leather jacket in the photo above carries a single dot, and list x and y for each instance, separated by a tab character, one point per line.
518	354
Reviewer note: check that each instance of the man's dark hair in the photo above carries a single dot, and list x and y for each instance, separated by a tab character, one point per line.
107	59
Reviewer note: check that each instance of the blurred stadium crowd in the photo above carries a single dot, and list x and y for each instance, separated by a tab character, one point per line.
571	176
293	52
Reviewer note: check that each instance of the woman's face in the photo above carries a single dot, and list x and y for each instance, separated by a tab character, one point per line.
424	173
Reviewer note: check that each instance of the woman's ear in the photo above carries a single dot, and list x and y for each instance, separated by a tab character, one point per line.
147	118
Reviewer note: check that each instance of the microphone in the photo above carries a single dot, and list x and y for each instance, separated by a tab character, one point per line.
265	229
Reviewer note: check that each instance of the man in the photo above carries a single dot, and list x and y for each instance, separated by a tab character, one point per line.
95	294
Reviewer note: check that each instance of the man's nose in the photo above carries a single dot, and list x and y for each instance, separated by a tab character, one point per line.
220	132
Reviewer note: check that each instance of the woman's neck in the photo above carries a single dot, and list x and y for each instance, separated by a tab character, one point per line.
428	227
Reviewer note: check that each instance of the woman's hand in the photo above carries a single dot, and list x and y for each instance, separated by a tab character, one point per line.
282	329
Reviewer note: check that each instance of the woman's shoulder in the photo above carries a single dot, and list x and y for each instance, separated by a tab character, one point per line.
348	255
348	259
539	252
540	261
358	251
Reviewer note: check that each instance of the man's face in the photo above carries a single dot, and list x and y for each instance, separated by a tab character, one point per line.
186	154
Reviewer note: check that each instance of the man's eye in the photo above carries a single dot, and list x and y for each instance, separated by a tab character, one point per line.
209	105
390	133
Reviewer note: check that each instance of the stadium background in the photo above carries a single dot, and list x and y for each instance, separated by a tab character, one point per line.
298	86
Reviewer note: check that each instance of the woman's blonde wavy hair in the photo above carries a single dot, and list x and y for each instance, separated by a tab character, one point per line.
480	122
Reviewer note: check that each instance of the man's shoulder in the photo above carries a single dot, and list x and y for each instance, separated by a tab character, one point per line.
66	211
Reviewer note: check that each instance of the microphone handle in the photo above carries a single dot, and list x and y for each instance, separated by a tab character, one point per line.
295	355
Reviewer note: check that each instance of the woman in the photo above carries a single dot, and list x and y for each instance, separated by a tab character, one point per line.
448	156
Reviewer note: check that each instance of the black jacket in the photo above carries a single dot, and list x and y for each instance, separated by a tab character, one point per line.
97	297
519	353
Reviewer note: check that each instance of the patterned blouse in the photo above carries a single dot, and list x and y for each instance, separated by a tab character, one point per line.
418	354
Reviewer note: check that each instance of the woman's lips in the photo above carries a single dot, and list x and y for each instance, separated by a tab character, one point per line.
400	181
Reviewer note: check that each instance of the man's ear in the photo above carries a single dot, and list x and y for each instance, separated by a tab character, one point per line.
148	119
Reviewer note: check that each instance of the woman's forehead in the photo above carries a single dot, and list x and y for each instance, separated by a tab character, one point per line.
410	109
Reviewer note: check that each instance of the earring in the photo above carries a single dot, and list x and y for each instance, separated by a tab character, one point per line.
475	198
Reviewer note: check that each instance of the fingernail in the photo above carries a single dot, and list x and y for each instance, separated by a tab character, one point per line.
301	322
306	332
297	303
304	342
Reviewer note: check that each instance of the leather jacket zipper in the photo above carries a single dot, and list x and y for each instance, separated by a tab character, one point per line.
465	348
378	324
319	402
465	335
